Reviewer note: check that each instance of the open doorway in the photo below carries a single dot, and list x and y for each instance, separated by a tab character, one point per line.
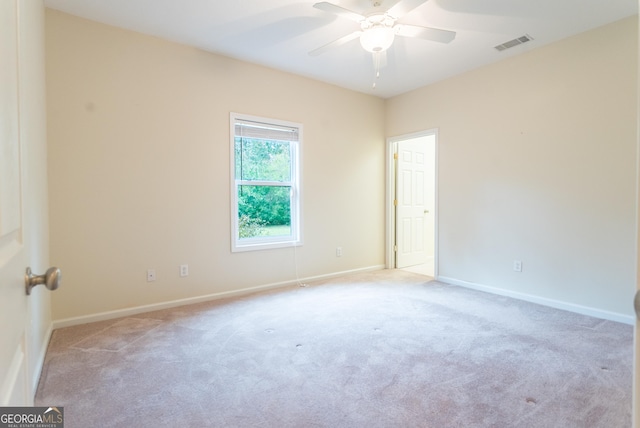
412	202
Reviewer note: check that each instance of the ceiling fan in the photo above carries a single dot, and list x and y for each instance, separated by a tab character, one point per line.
378	29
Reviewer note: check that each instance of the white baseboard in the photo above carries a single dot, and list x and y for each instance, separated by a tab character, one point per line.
102	316
571	307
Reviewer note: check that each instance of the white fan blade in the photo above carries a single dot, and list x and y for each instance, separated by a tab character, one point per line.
427	33
341	41
403	7
338	10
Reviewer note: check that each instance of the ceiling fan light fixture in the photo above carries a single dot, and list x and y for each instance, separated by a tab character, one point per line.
377	38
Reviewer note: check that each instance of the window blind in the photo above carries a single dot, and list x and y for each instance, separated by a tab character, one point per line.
265	131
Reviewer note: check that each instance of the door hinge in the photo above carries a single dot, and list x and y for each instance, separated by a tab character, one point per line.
395	156
395	202
395	248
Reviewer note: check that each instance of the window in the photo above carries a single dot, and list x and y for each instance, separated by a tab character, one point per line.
265	183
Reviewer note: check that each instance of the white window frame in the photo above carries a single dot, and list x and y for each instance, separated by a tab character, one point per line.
267	242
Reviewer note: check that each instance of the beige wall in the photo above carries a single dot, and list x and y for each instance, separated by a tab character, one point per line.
537	162
139	169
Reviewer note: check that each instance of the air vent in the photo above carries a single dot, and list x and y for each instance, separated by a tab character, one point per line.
515	42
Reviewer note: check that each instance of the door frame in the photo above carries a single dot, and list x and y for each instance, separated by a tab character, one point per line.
390	227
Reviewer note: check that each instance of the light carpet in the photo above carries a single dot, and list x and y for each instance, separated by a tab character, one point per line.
381	349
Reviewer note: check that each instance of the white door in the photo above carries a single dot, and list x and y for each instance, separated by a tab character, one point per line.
24	320
412	209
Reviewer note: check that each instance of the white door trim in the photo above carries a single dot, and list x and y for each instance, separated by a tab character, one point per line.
390	238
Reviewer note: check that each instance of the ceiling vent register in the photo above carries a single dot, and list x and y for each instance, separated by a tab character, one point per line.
515	42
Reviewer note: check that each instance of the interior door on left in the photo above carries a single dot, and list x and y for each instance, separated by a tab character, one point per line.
23	230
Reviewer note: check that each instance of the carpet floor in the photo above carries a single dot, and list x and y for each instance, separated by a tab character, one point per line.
382	349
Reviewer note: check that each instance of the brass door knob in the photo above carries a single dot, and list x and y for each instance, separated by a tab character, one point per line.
51	279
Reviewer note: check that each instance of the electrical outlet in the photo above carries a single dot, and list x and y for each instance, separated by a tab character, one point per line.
151	275
184	270
517	265
338	251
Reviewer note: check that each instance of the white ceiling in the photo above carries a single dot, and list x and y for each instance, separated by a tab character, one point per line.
280	33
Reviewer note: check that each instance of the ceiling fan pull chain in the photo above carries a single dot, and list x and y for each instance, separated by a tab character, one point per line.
376	67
